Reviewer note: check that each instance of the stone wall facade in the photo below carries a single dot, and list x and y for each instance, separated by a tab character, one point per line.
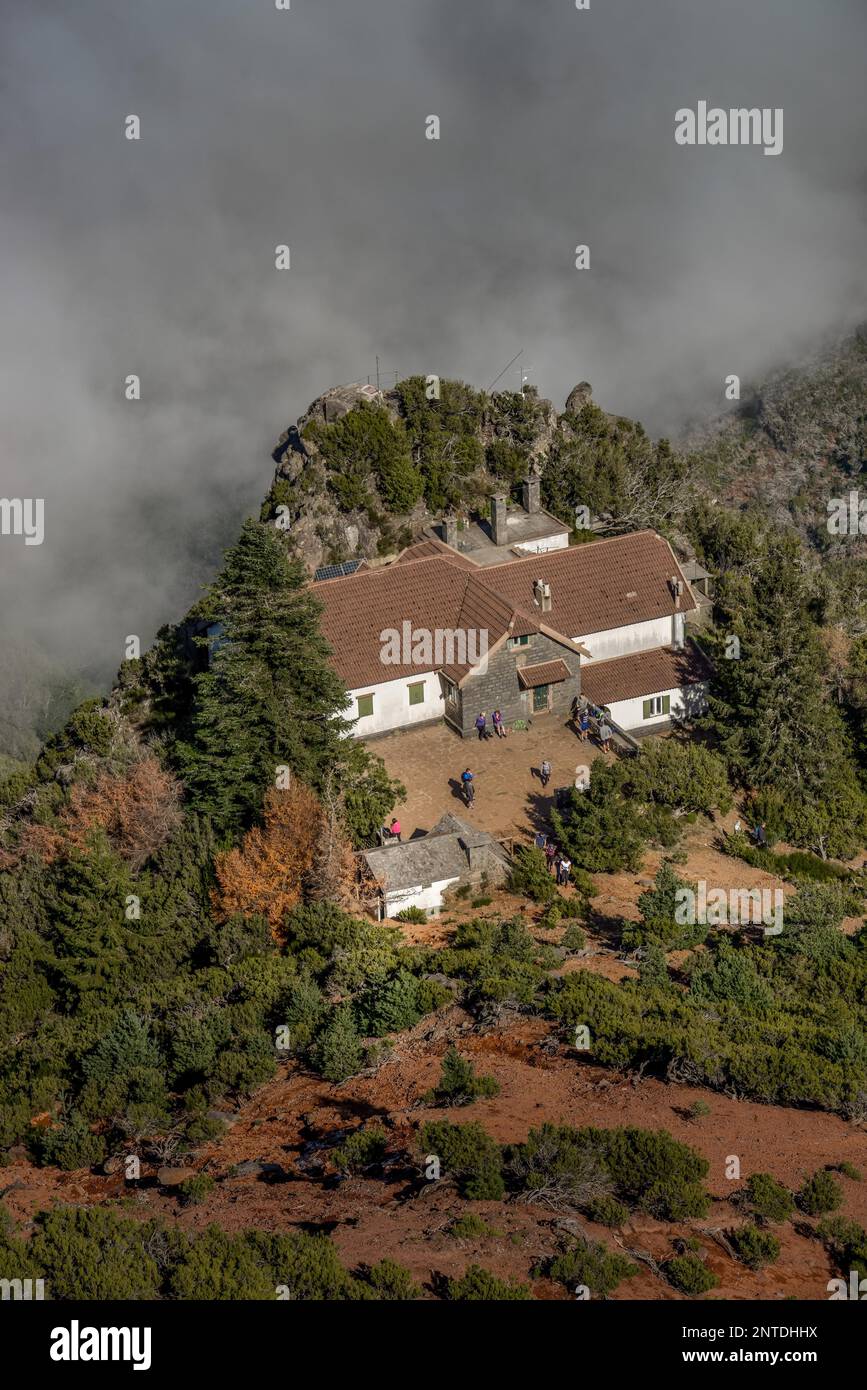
497	687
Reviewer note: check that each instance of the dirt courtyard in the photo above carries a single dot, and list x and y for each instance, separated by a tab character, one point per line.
510	799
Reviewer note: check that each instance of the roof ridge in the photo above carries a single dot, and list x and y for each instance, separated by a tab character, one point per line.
572	549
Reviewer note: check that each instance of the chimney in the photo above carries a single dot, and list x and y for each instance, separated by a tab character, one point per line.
498	518
542	595
449	530
530	494
677	617
477	849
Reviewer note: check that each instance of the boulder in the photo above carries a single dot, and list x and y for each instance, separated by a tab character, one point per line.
173	1177
257	1168
578	397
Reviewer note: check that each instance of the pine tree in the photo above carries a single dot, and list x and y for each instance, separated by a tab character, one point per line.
599	828
270	696
769	708
338	1053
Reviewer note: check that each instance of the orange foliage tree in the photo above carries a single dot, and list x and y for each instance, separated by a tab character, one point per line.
138	812
267	873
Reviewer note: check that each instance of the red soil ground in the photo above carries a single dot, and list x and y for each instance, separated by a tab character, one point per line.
373	1218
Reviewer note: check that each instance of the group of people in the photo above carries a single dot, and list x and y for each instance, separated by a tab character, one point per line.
758	834
497	725
583	718
559	863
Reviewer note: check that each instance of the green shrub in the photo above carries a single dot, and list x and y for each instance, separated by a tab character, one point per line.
469	1155
391	1006
391	1282
601	830
91	1253
411	914
338	1053
470	1226
769	1198
530	876
574	937
847	1242
459	1084
754	1247
196	1189
592	1266
361	1149
662	921
849	1171
432	995
690	1274
607	1211
562	1166
478	1285
70	1145
820	1194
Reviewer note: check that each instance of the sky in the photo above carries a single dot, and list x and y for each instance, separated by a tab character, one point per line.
307	127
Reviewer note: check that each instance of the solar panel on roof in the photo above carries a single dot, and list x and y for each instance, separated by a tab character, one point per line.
337	571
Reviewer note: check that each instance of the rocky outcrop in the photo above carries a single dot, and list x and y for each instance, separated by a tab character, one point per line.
578	397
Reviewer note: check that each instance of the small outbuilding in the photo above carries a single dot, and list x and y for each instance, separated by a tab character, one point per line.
419	872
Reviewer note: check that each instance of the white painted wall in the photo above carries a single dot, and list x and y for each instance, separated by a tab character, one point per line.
429	898
624	641
543	545
391	706
686	702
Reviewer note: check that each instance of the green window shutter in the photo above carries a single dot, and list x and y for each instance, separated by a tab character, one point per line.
416	693
666	704
646	708
365	706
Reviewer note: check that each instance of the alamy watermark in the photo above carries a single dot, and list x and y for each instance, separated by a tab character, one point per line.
847	516
429	648
737	126
23	516
719	907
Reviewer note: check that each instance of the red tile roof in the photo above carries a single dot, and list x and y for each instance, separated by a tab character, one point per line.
598	586
643	673
602	585
545	673
427	549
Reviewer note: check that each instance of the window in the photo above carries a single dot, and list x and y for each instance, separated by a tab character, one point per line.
451	693
518	642
656	705
416	693
365	706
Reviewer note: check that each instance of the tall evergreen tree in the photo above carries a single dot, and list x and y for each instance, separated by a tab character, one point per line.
269	695
769	707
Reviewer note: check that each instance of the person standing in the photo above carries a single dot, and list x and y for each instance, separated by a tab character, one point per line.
551	855
583	725
545	772
467	784
605	735
482	725
499	728
394	829
564	870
